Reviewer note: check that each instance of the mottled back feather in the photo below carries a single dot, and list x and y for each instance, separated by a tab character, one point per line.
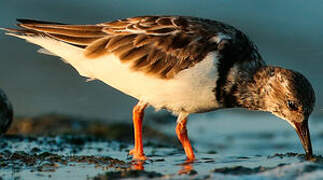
158	45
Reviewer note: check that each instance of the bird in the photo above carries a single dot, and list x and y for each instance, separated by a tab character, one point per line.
6	113
182	64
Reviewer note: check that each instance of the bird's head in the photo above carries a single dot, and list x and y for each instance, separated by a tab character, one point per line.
288	95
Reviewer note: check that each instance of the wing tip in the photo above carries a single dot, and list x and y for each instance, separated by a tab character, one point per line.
10	31
26	27
32	21
20	33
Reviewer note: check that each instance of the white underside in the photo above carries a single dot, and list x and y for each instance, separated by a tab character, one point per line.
190	91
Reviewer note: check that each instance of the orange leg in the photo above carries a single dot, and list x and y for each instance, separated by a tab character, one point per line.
138	115
181	132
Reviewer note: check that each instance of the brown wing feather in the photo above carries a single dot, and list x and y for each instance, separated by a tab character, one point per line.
172	43
61	30
158	45
97	48
83	41
81	35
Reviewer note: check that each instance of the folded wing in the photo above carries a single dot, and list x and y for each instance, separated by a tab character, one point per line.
158	45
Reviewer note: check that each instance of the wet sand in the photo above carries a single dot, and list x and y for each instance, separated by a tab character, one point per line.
56	146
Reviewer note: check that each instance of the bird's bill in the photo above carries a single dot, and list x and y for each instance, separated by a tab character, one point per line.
304	135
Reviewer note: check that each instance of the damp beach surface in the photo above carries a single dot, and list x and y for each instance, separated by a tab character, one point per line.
56	147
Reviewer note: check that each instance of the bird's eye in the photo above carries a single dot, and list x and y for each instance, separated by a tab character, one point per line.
292	105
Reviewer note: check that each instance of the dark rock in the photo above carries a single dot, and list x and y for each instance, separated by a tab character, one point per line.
128	174
240	170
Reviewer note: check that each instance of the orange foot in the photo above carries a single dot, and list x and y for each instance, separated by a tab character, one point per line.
137	165
187	167
137	156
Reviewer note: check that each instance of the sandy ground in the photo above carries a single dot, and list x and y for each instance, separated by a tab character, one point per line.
56	146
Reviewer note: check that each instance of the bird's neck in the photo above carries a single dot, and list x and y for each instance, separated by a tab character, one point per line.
249	89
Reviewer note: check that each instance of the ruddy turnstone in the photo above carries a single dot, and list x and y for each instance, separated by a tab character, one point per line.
6	113
182	64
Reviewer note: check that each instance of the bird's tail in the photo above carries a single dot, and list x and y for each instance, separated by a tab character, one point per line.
66	41
78	35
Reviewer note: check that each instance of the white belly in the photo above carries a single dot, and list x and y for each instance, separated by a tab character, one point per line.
190	91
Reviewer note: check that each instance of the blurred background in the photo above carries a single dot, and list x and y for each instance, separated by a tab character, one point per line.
288	33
